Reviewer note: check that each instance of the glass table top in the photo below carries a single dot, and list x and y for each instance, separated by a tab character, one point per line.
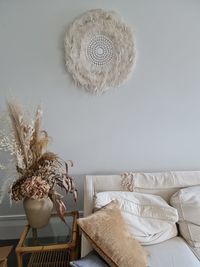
56	232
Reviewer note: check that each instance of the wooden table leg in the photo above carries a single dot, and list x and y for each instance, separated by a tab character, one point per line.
19	259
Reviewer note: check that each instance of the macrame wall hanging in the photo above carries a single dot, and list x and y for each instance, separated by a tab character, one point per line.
99	50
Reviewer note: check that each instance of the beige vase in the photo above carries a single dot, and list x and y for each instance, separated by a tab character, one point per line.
38	211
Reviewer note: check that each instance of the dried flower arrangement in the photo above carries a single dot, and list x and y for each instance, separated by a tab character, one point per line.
39	171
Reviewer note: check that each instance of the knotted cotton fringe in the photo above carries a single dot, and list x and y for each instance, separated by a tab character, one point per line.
128	181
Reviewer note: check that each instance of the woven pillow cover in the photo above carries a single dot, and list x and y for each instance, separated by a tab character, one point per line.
108	234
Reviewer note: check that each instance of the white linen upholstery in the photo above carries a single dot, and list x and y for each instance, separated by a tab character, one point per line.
100	183
187	202
171	253
149	218
196	252
164	179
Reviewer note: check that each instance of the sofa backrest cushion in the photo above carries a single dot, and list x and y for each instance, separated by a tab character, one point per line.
149	218
187	202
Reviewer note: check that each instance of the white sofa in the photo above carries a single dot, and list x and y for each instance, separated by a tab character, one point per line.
174	252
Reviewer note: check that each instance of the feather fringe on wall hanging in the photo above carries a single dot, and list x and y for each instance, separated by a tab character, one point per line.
99	50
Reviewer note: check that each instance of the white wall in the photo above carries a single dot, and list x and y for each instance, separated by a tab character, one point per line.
151	123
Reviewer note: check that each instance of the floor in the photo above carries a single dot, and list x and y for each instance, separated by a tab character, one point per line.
12	262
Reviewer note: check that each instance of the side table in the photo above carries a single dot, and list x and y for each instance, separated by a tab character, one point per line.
53	245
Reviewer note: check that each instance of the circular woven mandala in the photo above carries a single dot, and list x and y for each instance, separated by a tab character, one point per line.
99	50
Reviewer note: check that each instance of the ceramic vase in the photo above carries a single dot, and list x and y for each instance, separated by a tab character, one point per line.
38	211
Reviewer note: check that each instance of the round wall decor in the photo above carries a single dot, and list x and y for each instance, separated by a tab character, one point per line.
99	50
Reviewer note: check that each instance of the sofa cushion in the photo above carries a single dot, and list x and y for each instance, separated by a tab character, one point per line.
172	253
164	184
149	218
187	202
108	234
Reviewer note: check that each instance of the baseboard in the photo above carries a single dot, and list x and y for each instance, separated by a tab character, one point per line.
11	226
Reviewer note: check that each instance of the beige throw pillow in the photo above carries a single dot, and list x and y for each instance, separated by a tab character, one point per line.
108	234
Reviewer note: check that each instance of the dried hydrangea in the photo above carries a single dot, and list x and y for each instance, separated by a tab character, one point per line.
33	187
